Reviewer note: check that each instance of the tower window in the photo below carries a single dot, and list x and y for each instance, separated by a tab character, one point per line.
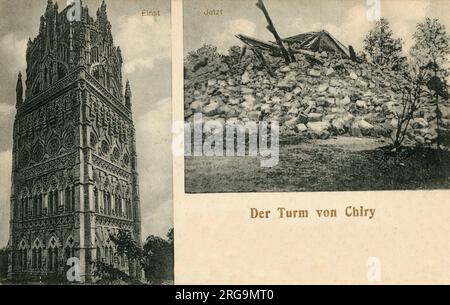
73	198
39	258
40	205
56	201
50	203
96	199
68	197
34	259
35	206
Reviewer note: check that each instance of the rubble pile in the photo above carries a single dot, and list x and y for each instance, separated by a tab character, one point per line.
328	97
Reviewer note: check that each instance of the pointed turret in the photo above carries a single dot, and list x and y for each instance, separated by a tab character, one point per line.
102	18
119	54
19	91
128	95
29	45
102	10
42	25
50	8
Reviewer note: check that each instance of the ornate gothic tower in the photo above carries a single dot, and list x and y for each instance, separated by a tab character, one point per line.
74	177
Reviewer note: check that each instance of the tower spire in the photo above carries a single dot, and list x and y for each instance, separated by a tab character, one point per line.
128	95
19	90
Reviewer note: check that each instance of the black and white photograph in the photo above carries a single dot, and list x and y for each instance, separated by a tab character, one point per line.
85	142
316	96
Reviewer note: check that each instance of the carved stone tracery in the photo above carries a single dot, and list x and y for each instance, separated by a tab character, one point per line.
73	138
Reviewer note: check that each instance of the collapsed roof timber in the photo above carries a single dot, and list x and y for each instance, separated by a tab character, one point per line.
318	42
307	43
313	41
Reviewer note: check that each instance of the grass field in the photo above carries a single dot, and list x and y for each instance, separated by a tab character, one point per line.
339	164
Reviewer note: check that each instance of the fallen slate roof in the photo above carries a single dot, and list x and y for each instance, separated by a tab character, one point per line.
312	41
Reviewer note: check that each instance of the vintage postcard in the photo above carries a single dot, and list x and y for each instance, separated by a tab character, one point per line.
86	168
224	142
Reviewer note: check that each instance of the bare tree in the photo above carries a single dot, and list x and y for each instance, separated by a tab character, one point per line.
411	88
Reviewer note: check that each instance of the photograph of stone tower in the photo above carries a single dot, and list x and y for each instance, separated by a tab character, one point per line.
74	178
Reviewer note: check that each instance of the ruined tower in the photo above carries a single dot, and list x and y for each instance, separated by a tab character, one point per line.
74	172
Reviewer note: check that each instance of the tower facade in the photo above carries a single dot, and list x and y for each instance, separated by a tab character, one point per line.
74	171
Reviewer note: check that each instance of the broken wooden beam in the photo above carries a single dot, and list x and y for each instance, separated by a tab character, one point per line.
243	51
263	61
274	32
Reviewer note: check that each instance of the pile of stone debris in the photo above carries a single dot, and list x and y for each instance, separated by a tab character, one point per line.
330	97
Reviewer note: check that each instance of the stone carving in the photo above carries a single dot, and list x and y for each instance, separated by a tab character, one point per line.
53	146
38	152
70	69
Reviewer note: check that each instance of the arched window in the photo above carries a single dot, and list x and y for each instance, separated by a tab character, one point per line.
107	202
68	253
34	259
113	257
73	198
62	71
50	203
39	204
95	54
118	205
56	202
97	72
68	199
108	195
17	210
107	261
55	256
96	199
35	206
39	258
98	255
25	259
50	74
52	255
50	258
129	209
18	261
26	207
